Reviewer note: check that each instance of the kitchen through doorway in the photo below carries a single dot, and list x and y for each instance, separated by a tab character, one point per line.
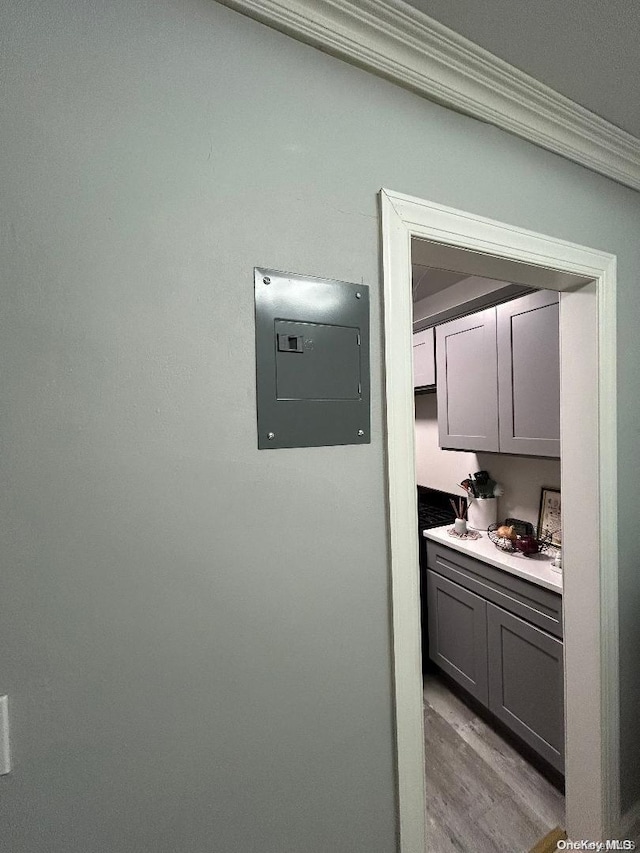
585	281
491	608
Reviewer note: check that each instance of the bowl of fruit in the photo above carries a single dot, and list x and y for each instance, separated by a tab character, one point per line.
515	536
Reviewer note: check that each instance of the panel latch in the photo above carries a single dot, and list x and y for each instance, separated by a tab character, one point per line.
290	343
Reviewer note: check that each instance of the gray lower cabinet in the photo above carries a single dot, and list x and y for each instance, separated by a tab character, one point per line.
526	685
478	636
458	634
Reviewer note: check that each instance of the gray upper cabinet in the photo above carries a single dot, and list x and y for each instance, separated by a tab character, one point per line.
424	359
467	388
498	378
529	374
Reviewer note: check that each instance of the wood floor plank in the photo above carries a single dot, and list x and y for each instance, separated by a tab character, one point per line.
457	776
460	788
482	796
526	784
511	828
438	696
528	787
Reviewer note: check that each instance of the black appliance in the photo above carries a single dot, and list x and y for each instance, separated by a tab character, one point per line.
434	508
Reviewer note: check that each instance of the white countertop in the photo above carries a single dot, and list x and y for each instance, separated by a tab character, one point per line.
536	569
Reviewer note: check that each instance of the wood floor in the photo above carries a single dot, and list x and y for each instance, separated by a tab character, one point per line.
482	796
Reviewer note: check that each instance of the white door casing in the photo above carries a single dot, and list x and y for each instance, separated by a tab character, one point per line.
589	494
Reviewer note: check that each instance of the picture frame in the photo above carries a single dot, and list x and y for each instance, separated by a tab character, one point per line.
550	516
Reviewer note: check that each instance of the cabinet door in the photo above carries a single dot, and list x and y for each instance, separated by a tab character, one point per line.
458	634
424	359
467	382
529	374
526	683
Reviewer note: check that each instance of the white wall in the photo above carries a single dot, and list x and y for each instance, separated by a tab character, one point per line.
195	633
522	476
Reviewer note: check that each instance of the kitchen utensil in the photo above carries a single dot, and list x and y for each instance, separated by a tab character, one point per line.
484	485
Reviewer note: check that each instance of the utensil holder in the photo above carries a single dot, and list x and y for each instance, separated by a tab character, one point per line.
482	512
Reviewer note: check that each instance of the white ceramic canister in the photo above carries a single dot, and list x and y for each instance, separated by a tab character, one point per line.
482	512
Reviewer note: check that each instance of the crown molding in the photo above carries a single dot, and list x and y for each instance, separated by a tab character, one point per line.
396	41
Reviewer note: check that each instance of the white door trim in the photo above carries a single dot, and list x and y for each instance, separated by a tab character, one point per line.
396	41
591	602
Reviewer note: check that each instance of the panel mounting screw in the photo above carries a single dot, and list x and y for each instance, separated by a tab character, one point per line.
358	295
266	280
360	432
271	436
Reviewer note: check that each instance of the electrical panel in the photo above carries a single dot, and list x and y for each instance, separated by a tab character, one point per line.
312	361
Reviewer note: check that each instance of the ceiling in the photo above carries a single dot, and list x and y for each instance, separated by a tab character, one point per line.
426	280
586	50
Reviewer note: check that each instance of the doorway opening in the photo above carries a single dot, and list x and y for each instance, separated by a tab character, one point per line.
585	280
488	428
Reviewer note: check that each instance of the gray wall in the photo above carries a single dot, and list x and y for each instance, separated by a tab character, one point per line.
195	634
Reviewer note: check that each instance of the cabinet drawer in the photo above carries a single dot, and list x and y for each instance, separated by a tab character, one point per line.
533	603
526	682
458	634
